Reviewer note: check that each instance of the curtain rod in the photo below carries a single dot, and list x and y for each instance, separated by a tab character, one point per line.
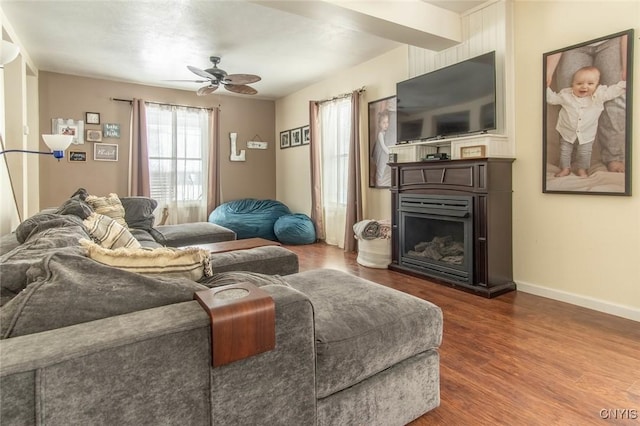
342	95
162	103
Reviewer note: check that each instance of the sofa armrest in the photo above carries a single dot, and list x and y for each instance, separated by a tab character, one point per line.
154	366
270	260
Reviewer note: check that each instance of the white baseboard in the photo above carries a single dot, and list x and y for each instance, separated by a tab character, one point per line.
623	311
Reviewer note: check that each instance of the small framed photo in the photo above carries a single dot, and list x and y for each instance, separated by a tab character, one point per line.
111	130
296	137
77	156
68	126
92	117
105	152
94	135
475	151
306	135
285	142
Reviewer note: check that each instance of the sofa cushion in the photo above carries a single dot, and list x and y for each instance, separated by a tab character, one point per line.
109	233
144	238
191	263
138	212
68	289
187	234
235	277
363	328
108	206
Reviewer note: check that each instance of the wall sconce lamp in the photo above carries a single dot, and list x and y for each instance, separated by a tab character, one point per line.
8	52
56	143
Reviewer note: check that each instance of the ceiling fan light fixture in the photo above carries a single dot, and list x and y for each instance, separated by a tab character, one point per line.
233	82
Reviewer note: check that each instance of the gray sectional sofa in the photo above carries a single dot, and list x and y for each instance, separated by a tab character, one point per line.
86	343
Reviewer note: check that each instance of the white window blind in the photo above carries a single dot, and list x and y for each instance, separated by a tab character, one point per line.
178	152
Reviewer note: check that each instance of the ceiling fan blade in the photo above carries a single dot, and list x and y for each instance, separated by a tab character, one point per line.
190	81
241	88
201	73
242	78
207	90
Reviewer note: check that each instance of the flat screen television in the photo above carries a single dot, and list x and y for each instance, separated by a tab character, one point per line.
452	101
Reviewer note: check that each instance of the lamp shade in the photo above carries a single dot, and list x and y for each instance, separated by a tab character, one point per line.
57	142
8	52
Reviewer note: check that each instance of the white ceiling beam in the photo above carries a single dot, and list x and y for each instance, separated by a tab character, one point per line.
412	22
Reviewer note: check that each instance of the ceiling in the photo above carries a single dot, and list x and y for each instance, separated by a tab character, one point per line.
290	44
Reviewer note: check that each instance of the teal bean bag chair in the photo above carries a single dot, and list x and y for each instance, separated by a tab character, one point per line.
295	229
250	218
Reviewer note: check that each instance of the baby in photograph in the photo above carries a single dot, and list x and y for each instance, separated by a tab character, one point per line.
581	106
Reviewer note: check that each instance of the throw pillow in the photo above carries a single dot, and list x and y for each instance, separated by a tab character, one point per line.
138	212
191	263
109	233
108	206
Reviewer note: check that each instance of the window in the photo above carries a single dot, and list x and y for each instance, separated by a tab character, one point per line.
178	151
335	130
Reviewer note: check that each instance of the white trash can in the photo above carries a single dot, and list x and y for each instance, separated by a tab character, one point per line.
375	253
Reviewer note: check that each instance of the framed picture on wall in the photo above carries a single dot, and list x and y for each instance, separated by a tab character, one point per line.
94	135
105	152
69	126
306	135
77	156
296	137
587	91
92	117
284	139
382	135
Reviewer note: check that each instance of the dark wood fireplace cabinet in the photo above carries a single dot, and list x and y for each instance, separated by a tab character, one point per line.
451	221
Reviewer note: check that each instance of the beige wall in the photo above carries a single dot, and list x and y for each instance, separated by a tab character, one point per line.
379	77
67	96
576	245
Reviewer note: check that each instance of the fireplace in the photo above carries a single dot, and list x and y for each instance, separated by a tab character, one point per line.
451	222
438	235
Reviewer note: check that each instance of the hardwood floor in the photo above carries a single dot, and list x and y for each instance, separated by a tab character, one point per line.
517	359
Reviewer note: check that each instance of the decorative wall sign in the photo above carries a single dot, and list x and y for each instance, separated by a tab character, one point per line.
94	135
475	151
105	152
77	156
68	126
236	157
590	80
111	130
92	117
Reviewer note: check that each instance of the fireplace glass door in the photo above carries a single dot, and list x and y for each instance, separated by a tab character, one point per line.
436	236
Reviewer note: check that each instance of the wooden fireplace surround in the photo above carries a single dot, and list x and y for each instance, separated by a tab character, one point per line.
488	182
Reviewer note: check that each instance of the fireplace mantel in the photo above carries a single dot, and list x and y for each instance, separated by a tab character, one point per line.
487	182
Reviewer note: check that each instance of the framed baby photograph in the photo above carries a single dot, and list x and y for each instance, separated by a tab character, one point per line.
382	135
587	117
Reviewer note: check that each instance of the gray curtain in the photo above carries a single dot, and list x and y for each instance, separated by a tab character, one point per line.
317	207
213	189
139	170
354	183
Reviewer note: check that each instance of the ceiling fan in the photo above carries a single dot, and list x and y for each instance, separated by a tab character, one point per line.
214	77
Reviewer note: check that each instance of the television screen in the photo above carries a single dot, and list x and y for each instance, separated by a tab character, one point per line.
455	100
